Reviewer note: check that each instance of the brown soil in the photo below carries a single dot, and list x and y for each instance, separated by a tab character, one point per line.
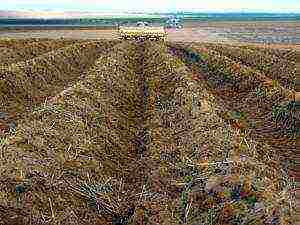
192	32
129	139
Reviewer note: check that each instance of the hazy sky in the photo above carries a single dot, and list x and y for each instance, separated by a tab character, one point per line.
152	5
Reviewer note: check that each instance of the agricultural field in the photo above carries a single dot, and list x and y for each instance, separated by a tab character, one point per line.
124	132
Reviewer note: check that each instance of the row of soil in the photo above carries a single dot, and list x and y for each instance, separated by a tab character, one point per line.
267	111
19	44
276	68
284	54
72	156
267	117
29	83
21	52
287	54
188	150
138	141
8	42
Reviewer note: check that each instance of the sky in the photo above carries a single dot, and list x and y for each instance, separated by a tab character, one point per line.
152	5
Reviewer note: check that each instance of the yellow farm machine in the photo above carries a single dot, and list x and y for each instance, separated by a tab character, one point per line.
142	33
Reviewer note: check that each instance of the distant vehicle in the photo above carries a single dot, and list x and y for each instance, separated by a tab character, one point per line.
142	31
174	22
143	24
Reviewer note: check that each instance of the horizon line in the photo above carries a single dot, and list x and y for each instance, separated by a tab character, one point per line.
155	11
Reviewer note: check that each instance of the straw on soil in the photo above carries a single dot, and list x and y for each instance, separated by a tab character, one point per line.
138	141
15	43
267	109
29	82
72	146
277	68
15	53
189	147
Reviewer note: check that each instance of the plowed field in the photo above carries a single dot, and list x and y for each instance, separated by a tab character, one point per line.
121	132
